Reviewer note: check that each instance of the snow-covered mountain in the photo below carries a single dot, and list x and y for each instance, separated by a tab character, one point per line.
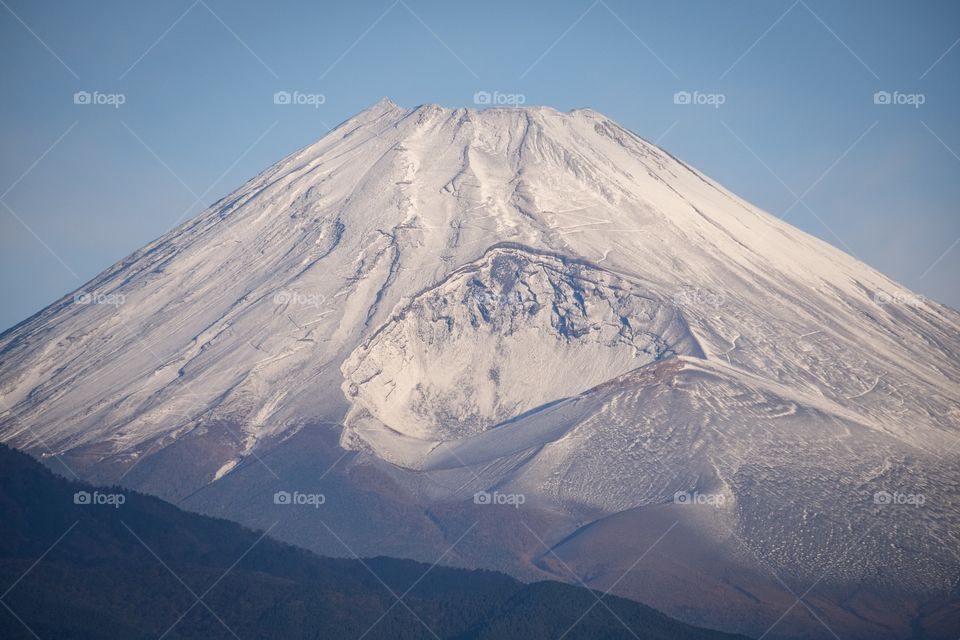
530	302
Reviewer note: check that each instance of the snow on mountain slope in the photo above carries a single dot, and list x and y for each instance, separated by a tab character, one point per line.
244	311
795	479
517	298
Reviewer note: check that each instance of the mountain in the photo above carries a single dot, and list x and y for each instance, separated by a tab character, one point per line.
546	314
115	570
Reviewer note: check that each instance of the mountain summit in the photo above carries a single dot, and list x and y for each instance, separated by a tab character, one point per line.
534	303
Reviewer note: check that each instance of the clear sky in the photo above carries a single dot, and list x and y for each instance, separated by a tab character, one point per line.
798	131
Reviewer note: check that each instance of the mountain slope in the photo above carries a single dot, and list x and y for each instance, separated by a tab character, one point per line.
523	301
275	284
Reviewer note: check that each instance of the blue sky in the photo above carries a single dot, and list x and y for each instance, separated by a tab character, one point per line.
798	133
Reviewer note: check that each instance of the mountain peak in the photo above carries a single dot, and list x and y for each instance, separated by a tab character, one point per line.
383	103
397	202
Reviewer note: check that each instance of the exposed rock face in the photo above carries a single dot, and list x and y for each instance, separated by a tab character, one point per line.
504	335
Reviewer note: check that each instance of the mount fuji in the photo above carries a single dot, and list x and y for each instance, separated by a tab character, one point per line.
536	338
